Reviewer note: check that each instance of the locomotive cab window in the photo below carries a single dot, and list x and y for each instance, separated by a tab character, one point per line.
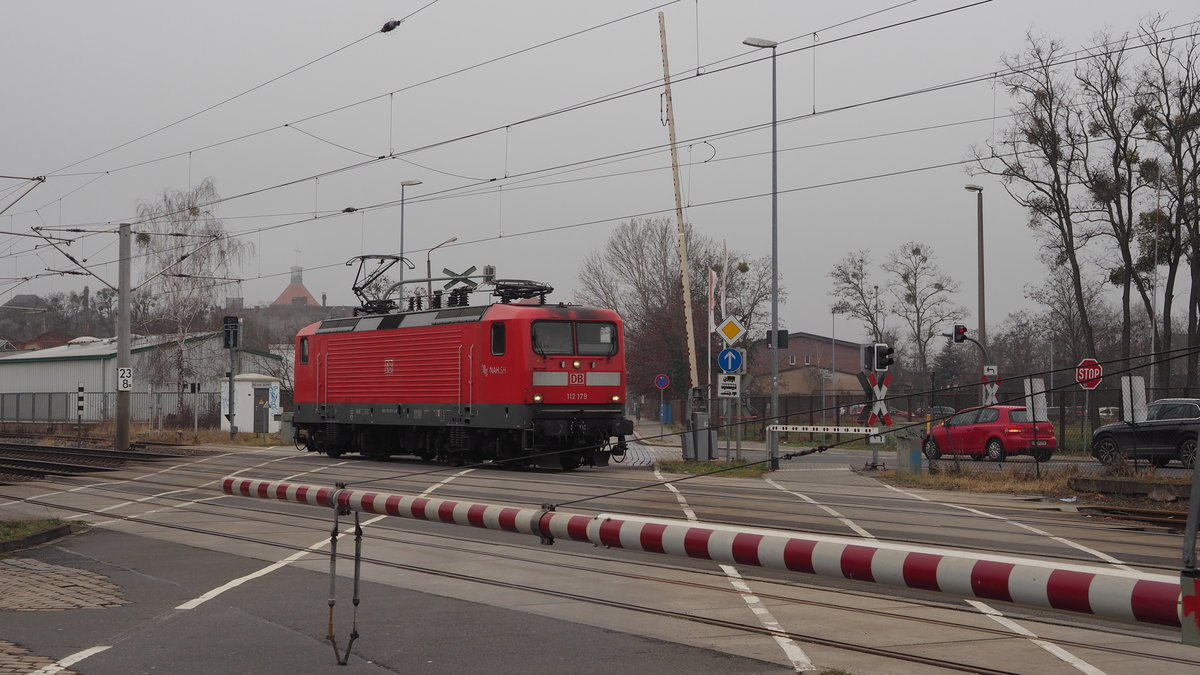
303	350
553	338
596	338
583	338
498	339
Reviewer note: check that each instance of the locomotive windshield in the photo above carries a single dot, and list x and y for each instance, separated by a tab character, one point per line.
584	338
596	338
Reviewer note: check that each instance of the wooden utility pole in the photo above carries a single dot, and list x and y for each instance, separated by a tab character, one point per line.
680	231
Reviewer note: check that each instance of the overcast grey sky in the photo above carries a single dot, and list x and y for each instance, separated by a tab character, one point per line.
529	193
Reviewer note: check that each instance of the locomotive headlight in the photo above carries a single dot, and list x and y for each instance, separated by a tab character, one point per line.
537	398
577	363
616	398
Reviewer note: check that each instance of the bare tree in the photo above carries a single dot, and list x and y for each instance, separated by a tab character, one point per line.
1112	174
922	297
856	296
1044	152
1064	315
1169	101
185	253
637	274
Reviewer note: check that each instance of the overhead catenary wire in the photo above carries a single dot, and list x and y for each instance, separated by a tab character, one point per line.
348	168
386	204
648	86
1080	55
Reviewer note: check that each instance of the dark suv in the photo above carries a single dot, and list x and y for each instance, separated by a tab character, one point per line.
1168	433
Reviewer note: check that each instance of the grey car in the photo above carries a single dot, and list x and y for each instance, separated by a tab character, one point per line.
1169	432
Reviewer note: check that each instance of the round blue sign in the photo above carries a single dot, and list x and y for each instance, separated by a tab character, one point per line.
662	381
730	360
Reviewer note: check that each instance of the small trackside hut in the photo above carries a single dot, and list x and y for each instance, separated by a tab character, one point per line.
517	381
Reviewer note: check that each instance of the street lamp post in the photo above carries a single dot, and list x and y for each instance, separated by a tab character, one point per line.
978	190
429	269
773	342
403	184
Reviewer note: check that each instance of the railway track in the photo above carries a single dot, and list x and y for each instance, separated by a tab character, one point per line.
26	460
597	567
1176	520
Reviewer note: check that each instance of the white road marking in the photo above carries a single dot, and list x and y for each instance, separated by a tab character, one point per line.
844	520
164	494
1062	654
1066	656
800	660
196	602
1115	562
90	486
69	661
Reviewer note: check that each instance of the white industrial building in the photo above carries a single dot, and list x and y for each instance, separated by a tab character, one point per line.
53	384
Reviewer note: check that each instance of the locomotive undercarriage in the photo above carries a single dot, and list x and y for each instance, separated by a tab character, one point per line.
556	440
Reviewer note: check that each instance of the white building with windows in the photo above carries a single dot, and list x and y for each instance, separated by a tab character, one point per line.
52	384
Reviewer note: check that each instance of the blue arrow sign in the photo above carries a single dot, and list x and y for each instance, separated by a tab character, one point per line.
730	360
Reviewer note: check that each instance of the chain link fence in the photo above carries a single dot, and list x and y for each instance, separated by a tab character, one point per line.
1073	412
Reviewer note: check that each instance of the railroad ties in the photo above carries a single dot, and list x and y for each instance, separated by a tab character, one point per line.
23	461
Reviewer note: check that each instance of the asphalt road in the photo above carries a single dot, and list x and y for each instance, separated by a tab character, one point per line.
441	599
278	623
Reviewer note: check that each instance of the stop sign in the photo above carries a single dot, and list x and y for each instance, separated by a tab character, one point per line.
1089	373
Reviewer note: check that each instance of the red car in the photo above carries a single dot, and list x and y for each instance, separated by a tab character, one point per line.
991	433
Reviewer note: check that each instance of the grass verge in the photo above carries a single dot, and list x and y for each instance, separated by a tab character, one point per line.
732	469
1023	481
11	530
1008	481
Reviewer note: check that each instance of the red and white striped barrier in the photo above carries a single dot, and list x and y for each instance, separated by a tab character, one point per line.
1103	592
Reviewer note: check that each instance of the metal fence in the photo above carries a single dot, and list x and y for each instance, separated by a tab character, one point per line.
159	409
1068	410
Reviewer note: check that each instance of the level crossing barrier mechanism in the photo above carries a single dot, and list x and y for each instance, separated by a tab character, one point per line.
872	433
1103	592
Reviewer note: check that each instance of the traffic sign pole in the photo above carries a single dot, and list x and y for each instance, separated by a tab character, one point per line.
1089	373
662	382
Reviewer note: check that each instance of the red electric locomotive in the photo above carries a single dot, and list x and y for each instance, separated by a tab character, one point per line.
517	381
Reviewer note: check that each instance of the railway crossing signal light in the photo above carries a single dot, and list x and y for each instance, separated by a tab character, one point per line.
883	356
232	328
960	332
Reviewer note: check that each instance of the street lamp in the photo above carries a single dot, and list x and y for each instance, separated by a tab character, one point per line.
429	270
978	190
403	184
773	342
983	322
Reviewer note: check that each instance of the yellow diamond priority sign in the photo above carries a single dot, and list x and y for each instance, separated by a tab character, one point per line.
731	330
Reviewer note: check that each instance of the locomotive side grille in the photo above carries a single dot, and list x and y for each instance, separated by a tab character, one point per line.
458	437
418	365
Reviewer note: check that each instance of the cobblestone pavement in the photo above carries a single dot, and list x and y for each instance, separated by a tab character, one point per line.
28	585
15	659
640	454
